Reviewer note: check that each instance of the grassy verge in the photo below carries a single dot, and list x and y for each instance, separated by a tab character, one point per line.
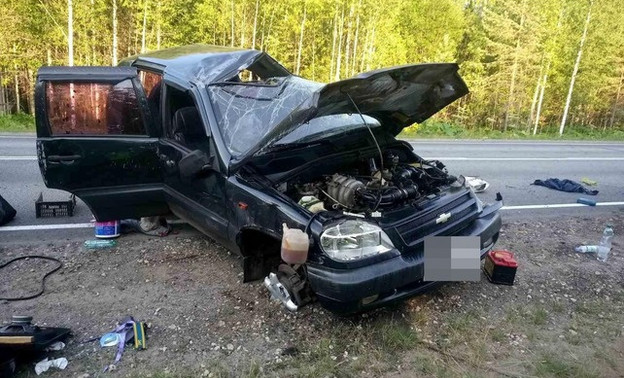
17	123
436	129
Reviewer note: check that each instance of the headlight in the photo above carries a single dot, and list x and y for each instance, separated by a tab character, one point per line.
354	240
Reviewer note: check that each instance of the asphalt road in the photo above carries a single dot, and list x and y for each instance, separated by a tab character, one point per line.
509	166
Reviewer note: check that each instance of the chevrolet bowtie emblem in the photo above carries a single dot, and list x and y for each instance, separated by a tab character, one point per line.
442	218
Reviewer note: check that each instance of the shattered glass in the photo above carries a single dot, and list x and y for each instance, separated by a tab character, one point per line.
248	111
327	126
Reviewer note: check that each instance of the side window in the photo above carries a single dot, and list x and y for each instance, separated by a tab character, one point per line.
183	123
93	108
151	82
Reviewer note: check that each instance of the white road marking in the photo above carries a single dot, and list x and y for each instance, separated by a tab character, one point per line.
505	143
575	158
178	221
558	206
38	227
64	226
17	158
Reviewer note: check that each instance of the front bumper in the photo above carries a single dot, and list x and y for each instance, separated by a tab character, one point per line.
342	290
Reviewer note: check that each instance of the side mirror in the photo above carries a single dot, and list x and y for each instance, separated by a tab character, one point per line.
194	164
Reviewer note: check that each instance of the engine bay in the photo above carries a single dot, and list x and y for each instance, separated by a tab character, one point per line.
370	184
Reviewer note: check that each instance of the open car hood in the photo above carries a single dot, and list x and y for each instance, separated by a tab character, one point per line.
397	96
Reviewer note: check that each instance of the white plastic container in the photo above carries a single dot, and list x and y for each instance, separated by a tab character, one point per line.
107	230
295	245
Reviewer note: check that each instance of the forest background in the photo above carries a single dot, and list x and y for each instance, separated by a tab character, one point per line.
535	68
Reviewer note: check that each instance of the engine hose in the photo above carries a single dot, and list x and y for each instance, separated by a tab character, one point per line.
390	196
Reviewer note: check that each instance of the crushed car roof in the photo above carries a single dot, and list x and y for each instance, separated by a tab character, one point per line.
198	62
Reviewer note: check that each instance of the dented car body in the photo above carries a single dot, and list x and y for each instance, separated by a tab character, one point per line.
231	142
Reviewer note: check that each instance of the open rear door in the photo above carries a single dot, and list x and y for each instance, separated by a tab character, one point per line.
96	139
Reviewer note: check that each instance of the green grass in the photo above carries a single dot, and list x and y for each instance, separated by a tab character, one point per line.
17	123
445	130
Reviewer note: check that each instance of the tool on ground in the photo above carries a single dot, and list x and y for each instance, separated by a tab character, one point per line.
128	330
500	267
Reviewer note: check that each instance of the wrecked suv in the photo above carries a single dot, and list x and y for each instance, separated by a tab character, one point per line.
232	143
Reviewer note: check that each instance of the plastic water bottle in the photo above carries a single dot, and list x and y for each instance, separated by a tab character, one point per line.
97	244
586	249
605	243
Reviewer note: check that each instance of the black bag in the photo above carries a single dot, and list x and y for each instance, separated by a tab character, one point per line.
7	212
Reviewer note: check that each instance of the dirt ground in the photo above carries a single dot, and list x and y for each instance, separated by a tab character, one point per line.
563	317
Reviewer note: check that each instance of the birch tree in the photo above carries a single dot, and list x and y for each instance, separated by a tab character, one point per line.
115	42
566	108
70	33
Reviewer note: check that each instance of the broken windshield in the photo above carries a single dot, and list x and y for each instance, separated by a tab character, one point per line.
247	111
328	126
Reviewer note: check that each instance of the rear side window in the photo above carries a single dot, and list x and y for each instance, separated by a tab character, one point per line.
93	108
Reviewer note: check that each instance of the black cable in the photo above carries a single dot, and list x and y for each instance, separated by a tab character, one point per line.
307	227
42	280
381	165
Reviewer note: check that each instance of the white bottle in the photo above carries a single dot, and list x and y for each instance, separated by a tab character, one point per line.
586	249
605	243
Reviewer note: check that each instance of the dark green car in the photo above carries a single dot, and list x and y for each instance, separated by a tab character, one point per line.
234	144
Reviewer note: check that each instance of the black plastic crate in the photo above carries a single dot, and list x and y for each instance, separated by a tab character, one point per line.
48	209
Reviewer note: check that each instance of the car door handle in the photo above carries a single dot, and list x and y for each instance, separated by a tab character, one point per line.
63	158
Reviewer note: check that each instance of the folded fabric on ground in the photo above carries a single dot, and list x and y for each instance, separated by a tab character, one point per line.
7	212
565	185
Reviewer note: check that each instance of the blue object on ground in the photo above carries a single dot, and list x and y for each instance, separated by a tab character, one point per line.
565	185
586	201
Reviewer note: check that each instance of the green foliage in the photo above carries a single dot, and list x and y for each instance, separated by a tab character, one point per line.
20	122
517	56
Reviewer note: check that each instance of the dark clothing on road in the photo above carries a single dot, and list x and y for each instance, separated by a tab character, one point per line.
565	185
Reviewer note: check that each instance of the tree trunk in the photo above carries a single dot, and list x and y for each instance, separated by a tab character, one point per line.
371	50
242	29
535	97
16	81
615	103
575	70
255	26
2	98
333	53
364	49
114	58
18	104
31	91
541	99
143	47
514	71
303	20
263	29
347	53
355	38
70	33
93	58
232	23
158	26
339	56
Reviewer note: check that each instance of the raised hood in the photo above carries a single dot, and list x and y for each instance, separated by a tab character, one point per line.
397	97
